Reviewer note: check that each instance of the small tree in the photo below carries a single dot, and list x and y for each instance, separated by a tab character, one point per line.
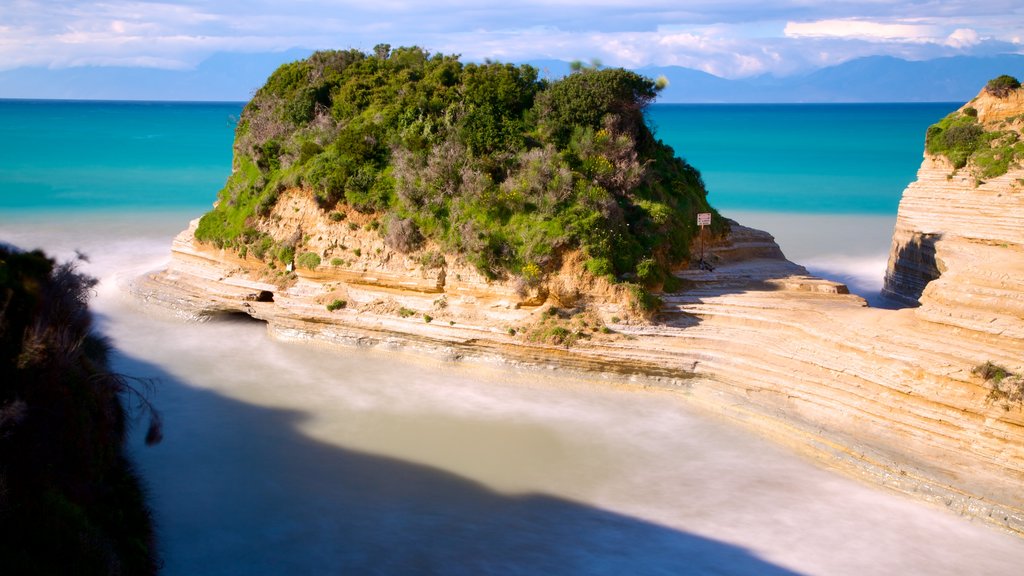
1002	86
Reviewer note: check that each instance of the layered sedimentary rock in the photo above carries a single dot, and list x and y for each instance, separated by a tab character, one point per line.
886	394
965	233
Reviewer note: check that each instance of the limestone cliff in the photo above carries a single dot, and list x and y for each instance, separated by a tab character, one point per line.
957	245
885	394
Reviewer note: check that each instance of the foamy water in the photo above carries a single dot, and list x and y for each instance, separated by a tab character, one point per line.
288	459
848	248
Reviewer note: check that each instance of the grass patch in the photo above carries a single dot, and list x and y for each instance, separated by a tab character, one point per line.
336	305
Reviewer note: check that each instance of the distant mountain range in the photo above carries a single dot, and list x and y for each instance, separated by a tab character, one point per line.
871	79
233	77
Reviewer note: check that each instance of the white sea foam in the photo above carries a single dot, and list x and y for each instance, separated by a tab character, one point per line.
282	458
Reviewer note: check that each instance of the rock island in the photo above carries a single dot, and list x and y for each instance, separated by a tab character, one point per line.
476	211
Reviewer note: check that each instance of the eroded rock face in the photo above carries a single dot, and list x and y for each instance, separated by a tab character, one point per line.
958	244
887	395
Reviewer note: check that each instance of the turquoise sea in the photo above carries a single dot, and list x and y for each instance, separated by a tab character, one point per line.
281	458
823	159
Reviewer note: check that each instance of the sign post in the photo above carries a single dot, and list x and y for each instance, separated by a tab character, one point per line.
703	219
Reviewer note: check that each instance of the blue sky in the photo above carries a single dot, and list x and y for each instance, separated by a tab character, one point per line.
729	38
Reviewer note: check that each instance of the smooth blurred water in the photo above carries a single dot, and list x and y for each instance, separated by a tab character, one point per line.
287	459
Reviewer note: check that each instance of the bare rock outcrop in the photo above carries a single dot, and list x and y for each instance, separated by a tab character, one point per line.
888	395
965	232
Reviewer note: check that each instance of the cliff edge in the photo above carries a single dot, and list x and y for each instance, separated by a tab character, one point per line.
958	244
890	395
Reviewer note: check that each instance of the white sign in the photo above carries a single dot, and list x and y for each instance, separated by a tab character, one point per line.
704	219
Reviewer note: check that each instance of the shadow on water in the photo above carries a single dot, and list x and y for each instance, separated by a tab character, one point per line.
240	489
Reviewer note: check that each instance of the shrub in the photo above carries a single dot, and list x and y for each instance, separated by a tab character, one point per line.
286	254
1001	86
428	318
309	260
431	260
337	262
599	267
557	335
403	235
337	216
405	312
649	273
990	371
1007	388
956	137
642	301
336	305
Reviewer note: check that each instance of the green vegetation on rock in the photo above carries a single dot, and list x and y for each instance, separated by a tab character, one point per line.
1006	388
485	160
70	502
963	140
1001	86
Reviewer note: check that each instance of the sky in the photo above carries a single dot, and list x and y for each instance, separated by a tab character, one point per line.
727	38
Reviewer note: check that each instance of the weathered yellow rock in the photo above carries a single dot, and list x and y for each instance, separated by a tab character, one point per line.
887	395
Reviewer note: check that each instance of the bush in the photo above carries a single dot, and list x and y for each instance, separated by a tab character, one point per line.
642	301
336	305
309	260
70	500
957	137
600	267
285	254
1001	86
405	312
1007	388
432	260
649	273
990	371
403	235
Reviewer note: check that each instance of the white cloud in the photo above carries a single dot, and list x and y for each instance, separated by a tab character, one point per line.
854	29
725	37
963	38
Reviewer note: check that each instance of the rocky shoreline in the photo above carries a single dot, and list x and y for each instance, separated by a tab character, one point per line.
885	395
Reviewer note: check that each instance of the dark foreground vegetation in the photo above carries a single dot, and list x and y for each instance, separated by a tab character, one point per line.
69	500
486	160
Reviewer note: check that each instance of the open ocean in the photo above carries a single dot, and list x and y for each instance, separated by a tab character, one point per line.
287	459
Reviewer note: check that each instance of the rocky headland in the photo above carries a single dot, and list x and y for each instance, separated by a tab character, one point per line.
888	395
